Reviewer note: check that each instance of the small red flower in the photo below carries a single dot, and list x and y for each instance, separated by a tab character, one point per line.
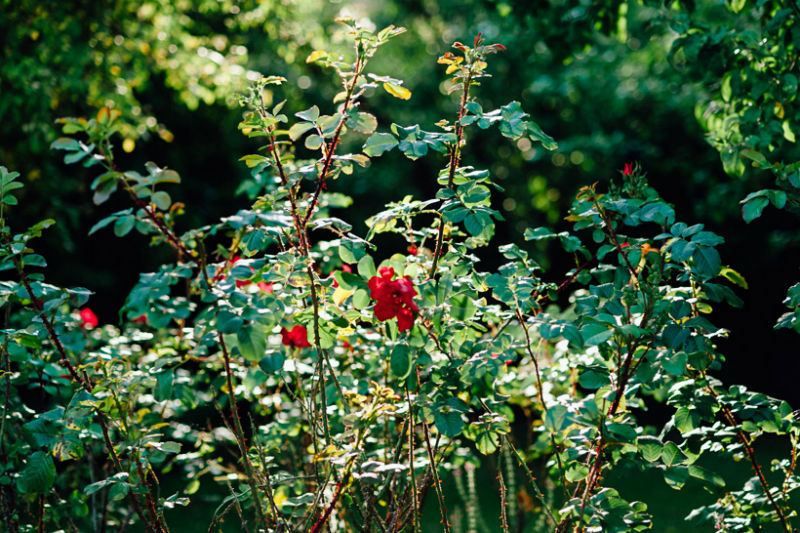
266	287
393	298
345	268
625	245
297	337
262	285
141	319
627	169
412	249
89	320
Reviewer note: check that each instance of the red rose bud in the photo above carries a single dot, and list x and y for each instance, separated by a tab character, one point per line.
89	320
393	298
627	169
297	337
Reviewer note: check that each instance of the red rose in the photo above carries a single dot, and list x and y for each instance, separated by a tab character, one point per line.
89	320
393	298
296	337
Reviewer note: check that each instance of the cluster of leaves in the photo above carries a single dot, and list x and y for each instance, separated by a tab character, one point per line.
316	411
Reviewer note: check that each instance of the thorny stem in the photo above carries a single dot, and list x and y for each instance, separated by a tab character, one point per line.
455	157
533	358
157	524
503	502
532	480
624	373
414	493
747	445
183	251
340	485
152	216
331	147
437	482
237	424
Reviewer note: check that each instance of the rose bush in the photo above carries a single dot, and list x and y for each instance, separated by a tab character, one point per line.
262	372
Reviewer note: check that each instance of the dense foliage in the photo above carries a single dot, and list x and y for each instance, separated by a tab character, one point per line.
296	373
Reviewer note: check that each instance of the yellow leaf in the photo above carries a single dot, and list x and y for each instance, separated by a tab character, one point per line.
398	91
102	115
340	295
316	55
280	497
344	333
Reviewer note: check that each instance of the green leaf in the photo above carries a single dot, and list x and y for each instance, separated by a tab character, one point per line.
228	322
102	224
65	143
449	423
169	446
676	476
161	199
753	205
313	142
756	157
557	418
38	475
595	333
671	454
361	299
401	361
685	420
707	262
123	225
706	475
576	472
252	342
379	143
448	415
311	114
297	131
362	122
536	133
253	160
272	363
366	267
650	447
593	378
